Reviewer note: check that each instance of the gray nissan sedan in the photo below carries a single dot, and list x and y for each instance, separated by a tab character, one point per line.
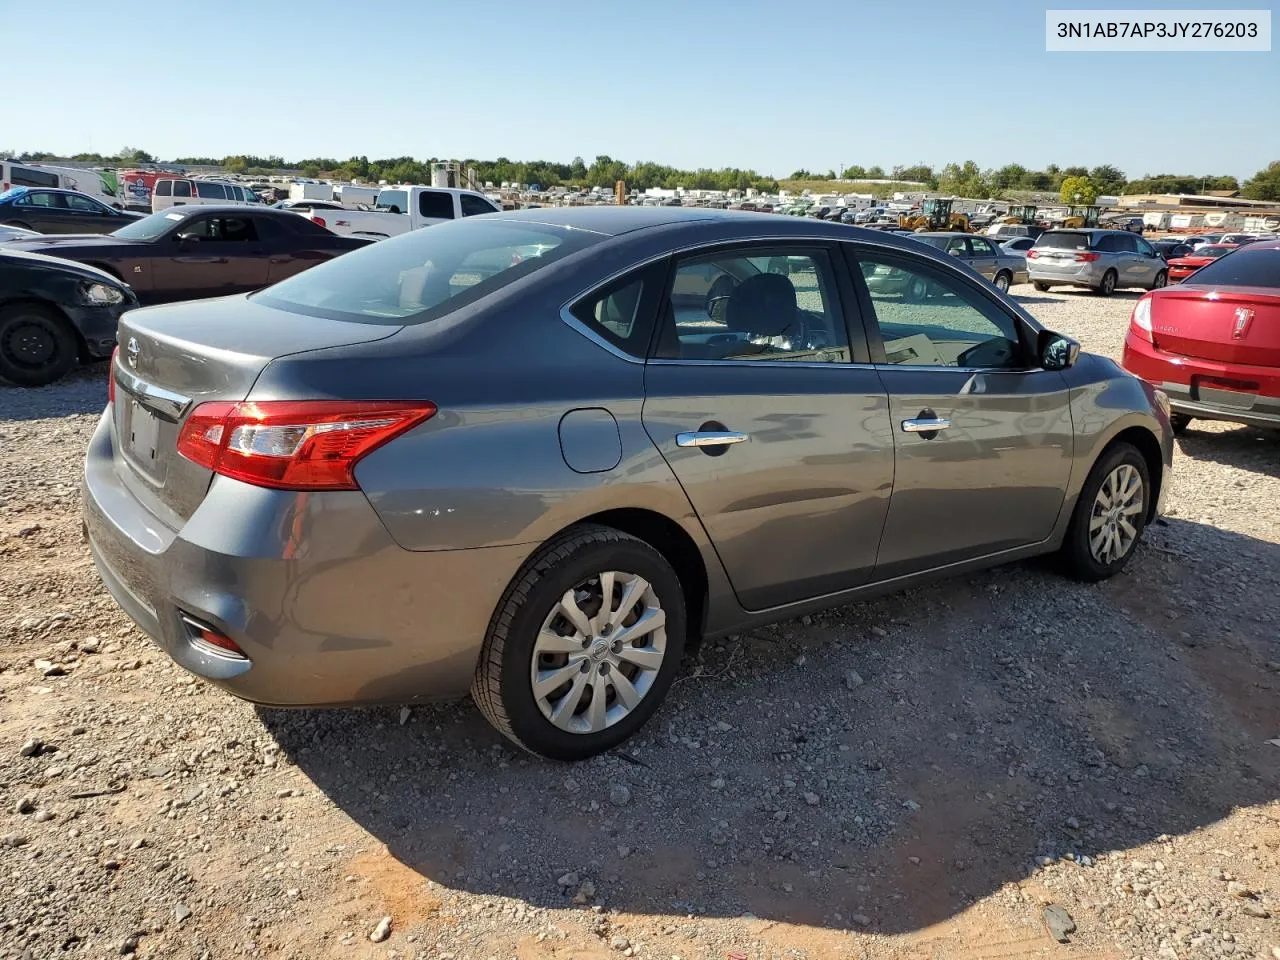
538	455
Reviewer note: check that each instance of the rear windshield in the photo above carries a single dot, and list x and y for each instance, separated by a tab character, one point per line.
1063	241
1212	251
1247	267
939	242
426	273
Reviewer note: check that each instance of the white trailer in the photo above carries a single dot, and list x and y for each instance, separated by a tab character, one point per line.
310	191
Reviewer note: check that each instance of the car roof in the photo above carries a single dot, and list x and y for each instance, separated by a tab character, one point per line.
26	189
188	210
615	221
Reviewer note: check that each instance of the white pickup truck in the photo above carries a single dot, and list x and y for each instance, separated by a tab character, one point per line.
401	209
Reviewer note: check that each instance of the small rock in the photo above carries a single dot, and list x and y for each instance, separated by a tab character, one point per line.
1237	889
78	731
853	679
724	727
181	912
619	795
585	892
1059	923
880	631
90	645
32	748
1073	823
812	799
26	805
381	931
910	805
43	816
14	840
570	785
1256	910
860	920
568	880
47	668
404	715
717	783
624	851
129	945
619	943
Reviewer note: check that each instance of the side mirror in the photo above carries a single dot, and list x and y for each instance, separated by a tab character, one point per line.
1057	352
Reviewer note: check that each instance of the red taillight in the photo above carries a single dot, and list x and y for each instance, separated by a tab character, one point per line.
1032	254
1140	320
320	221
1087	257
111	376
294	444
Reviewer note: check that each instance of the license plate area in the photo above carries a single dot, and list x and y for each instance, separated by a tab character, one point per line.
1224	393
140	439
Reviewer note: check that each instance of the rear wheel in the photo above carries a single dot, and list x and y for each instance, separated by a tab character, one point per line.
1108	285
1042	287
917	290
37	346
1002	281
1179	422
583	646
1110	515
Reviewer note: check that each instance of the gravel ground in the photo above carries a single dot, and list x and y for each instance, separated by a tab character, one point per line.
918	776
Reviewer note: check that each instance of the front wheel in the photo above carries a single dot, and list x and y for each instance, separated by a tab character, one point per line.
583	645
1041	287
1161	280
1110	515
36	345
1002	281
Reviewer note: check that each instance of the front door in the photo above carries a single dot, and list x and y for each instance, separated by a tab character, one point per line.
982	257
983	436
92	216
211	256
781	443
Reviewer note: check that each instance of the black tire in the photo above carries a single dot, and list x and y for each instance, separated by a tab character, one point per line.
37	345
917	290
1077	559
1108	285
1161	280
1003	280
1042	287
502	687
1179	422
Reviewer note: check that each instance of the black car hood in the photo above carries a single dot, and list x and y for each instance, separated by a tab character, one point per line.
40	260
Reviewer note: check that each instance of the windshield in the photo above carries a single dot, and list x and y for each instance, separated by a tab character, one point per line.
1249	267
149	228
12	192
1063	241
425	274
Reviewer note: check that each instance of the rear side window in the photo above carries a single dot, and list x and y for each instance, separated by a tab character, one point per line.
397	201
1247	267
615	311
424	274
211	191
1109	244
182	188
26	177
164	188
438	205
1063	241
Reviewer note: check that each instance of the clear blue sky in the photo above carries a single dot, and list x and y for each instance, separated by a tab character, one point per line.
694	83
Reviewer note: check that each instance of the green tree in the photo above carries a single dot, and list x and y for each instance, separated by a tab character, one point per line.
311	170
577	169
854	173
1078	189
875	173
1265	184
235	164
964	180
1009	177
1108	178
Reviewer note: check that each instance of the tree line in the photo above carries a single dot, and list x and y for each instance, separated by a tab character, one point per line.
1073	184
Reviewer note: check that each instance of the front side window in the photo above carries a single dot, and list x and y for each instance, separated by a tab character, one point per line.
474	206
182	188
763	306
220	229
85	205
210	191
1144	248
432	203
425	274
982	248
928	318
164	188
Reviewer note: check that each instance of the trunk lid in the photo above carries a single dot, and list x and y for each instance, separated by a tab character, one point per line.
1234	325
174	358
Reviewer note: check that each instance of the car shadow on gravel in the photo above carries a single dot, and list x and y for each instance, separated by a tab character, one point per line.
1246	448
881	766
83	390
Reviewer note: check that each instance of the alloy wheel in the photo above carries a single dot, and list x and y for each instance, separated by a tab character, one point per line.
598	652
1112	533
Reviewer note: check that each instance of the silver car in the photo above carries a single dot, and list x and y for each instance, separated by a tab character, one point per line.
1002	268
538	455
1102	260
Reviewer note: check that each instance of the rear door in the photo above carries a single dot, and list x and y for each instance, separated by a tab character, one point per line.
779	438
983	437
45	211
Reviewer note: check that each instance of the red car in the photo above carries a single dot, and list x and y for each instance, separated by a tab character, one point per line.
1213	343
1182	267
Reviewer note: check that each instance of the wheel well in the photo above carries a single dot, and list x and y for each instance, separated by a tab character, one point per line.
105	269
669	539
1149	447
82	348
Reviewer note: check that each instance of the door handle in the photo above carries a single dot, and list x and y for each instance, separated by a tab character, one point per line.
925	425
710	438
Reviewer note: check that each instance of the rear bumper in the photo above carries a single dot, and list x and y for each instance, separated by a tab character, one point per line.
1190	385
1079	275
329	610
